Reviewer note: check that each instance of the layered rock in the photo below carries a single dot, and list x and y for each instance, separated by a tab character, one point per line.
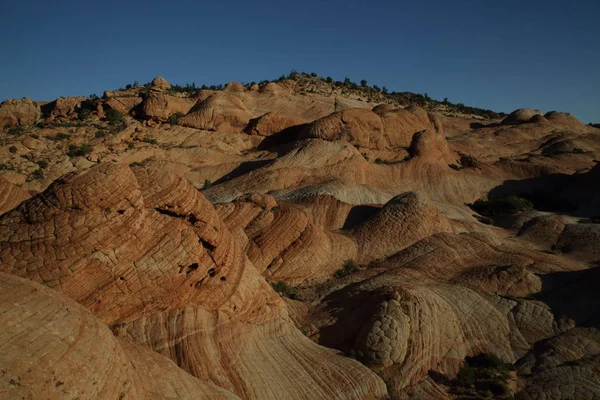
404	220
270	123
384	129
221	111
10	195
53	347
160	106
148	255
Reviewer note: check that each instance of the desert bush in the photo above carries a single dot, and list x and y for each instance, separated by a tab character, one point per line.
42	163
285	290
454	167
482	376
149	139
468	161
12	149
37	174
349	268
504	206
17	130
79	151
115	118
207	184
58	136
100	133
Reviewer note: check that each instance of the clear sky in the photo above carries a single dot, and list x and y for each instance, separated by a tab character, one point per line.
500	55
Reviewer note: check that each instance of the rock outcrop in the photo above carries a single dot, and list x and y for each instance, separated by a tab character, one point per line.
145	253
221	111
520	116
18	112
383	129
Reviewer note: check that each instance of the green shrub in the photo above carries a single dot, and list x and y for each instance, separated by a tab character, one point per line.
149	139
114	118
482	376
578	150
12	149
454	167
79	151
58	136
100	134
349	268
504	206
285	290
468	161
130	145
18	130
207	184
37	174
42	163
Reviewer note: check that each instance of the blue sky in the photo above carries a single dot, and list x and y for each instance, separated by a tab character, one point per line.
492	54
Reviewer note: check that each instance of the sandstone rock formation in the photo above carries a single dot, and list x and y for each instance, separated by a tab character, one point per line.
161	106
384	129
520	116
10	196
15	112
152	280
160	84
298	239
55	348
221	111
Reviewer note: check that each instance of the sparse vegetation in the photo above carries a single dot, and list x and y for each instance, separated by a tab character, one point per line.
79	151
7	167
42	163
100	133
468	161
37	174
18	130
207	184
349	268
58	136
285	290
484	376
504	206
115	119
454	167
12	149
149	139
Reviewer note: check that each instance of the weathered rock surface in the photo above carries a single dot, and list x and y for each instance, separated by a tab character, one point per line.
270	123
354	207
520	116
53	347
385	129
148	255
17	112
10	196
160	106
